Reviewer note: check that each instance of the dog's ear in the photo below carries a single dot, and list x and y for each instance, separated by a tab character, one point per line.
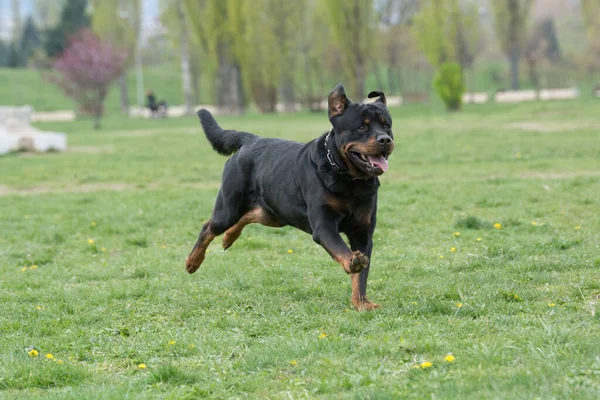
338	101
377	93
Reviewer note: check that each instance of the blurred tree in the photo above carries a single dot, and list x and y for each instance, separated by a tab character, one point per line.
30	40
267	50
217	24
510	17
73	17
117	22
47	12
448	32
4	54
435	30
85	71
16	16
541	49
395	37
174	18
591	17
450	85
353	26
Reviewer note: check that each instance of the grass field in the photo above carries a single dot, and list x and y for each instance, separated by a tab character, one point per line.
487	249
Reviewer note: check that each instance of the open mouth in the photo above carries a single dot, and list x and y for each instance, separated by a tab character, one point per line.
371	164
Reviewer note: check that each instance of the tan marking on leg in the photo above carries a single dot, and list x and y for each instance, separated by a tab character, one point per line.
255	216
196	257
359	300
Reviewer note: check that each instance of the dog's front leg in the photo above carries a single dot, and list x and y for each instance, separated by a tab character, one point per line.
362	242
326	233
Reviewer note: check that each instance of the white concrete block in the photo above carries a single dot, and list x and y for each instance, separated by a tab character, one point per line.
559	94
476	98
515	96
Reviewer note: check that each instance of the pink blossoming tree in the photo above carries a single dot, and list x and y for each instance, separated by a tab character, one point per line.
85	71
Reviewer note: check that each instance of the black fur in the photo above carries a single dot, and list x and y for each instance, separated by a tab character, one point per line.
325	187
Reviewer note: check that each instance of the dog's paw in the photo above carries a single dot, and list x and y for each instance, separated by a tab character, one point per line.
364	304
190	266
358	262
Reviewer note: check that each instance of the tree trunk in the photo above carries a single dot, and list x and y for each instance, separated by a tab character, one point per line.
97	122
514	68
288	95
186	76
360	81
378	77
123	94
139	76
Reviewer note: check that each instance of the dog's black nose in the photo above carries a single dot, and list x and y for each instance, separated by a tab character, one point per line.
384	140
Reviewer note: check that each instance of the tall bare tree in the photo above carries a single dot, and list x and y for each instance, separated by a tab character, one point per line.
511	18
591	17
353	25
116	21
184	48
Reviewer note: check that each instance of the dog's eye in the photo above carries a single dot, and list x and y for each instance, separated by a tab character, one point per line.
386	127
363	127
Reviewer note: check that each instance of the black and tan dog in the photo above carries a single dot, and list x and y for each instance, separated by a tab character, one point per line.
325	187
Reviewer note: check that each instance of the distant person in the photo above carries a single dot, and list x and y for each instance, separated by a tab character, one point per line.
157	109
152	104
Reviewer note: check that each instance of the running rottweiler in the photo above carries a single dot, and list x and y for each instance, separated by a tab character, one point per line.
325	187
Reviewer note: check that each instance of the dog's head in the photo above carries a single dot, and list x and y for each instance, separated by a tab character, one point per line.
363	133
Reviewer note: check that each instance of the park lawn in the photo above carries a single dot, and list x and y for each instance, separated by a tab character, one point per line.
487	248
19	87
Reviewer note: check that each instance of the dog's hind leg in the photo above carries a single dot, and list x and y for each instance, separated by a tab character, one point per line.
227	212
256	215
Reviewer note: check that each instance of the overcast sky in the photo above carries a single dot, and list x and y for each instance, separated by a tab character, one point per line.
150	14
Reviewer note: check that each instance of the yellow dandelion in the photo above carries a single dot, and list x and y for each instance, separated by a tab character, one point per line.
414	303
192	345
172	342
90	241
577	227
449	358
534	223
23	269
426	364
103	249
59	361
33	353
441	256
497	225
518	155
551	304
459	305
163	246
457	234
290	251
208	250
516	296
322	336
453	249
293	362
39	307
93	223
479	239
33	267
49	356
142	366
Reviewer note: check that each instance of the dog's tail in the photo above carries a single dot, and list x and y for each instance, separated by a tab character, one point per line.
225	142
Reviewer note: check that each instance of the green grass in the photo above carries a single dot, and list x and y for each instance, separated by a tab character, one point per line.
250	322
20	87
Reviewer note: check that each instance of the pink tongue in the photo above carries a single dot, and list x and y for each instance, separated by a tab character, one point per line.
379	162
